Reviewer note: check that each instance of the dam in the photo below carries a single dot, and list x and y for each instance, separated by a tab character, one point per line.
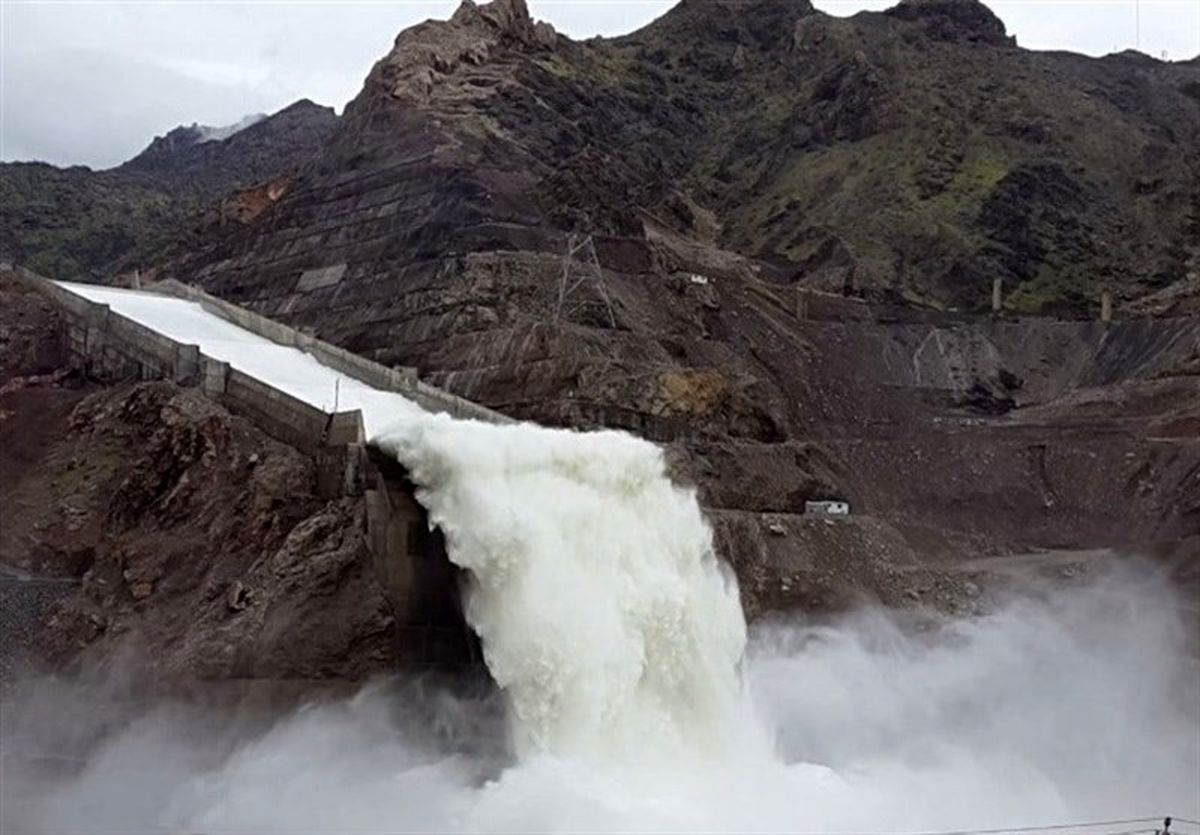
318	398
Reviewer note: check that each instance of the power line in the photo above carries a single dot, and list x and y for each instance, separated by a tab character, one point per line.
1052	827
1039	828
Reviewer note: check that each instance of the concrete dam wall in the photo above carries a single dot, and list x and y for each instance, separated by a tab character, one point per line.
407	556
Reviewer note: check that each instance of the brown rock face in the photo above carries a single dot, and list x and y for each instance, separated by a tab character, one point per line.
195	540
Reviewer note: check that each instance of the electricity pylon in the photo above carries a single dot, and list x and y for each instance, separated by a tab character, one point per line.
580	266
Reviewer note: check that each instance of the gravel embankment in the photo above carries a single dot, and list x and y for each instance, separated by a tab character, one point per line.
25	603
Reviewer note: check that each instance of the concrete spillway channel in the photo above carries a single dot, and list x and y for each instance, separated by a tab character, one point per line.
309	394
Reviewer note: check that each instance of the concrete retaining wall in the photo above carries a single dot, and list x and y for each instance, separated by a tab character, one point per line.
112	346
409	558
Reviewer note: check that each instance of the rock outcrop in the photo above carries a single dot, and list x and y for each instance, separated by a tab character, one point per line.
968	20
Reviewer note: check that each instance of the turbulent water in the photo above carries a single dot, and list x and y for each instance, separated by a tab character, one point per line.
632	701
601	606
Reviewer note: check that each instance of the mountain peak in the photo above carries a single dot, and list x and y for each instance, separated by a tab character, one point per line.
218	134
425	55
181	146
508	17
757	12
955	20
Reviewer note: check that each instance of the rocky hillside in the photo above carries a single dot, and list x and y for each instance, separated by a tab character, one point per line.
79	223
781	202
911	155
180	533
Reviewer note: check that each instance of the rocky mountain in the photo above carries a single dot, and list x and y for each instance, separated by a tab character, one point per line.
783	209
739	231
166	151
744	170
181	534
79	223
911	155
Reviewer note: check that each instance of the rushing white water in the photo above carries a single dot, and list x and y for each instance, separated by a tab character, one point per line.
1080	707
603	611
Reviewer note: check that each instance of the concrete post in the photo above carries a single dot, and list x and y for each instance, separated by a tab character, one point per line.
997	295
1106	306
214	377
801	304
187	365
345	428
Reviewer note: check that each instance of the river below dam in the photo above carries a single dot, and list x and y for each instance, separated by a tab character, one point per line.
1072	708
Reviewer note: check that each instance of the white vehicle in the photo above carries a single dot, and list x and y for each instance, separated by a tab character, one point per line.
827	508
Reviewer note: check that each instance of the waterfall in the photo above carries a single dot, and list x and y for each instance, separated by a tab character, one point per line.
604	613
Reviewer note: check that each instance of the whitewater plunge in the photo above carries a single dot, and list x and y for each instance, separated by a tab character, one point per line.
604	613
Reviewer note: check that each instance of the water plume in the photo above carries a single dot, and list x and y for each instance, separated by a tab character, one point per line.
603	611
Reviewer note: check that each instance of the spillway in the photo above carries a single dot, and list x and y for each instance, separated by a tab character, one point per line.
602	608
285	367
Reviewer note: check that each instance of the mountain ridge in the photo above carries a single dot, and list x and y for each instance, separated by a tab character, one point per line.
79	223
1017	166
908	156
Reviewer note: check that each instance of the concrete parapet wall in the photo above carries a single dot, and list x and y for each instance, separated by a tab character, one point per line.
158	356
589	415
280	415
111	346
253	322
403	381
434	399
345	428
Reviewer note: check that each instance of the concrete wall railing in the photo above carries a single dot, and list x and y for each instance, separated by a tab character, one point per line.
403	381
111	346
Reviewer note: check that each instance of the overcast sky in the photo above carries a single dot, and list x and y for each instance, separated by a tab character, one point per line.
91	81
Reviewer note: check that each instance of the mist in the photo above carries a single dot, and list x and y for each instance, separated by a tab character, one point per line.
1067	707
